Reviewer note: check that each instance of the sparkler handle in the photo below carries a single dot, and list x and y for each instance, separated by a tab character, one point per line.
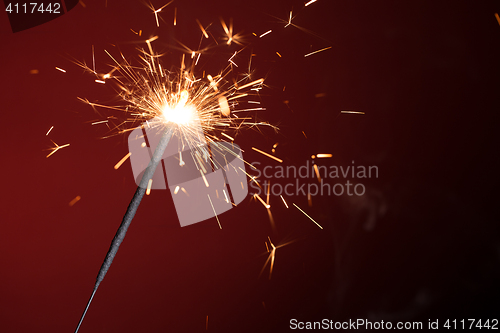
134	203
129	215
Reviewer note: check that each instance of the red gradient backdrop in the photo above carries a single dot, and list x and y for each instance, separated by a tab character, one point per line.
421	244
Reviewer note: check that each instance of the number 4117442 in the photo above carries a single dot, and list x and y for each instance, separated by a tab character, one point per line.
33	7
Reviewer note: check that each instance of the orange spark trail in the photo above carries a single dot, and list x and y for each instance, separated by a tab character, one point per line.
268	155
119	164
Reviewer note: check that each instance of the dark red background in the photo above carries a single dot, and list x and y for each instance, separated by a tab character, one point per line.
421	244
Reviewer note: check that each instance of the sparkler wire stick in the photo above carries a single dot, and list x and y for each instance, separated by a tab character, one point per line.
129	214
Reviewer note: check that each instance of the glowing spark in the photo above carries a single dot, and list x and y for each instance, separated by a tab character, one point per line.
308	216
206	324
157	11
181	162
230	59
214	211
278	54
100	122
60	69
272	255
34	71
224	106
309	199
202	29
237	96
262	201
304	134
289	20
148	190
310	2
265	33
498	17
227	136
175	16
184	190
317	172
268	189
119	164
204	179
50	129
268	155
326	48
284	201
225	195
56	148
324	155
100	81
251	84
176	189
353	112
75	200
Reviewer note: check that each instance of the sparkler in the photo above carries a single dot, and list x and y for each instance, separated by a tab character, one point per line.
182	104
179	104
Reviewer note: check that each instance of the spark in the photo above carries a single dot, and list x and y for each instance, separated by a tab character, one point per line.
289	20
224	106
265	33
278	54
50	129
99	122
304	134
60	69
75	200
310	2
272	256
93	59
268	189
251	84
237	96
268	155
284	201
326	48
176	189
307	216
156	11
206	324
227	136
56	148
498	18
262	201
214	211
175	16
202	29
100	81
317	173
353	112
323	155
204	179
34	71
119	164
148	190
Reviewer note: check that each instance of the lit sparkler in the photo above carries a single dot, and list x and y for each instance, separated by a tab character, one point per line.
179	103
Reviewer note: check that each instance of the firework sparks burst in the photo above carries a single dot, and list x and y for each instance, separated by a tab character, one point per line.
202	108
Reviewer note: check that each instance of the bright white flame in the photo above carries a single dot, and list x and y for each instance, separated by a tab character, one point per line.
181	113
